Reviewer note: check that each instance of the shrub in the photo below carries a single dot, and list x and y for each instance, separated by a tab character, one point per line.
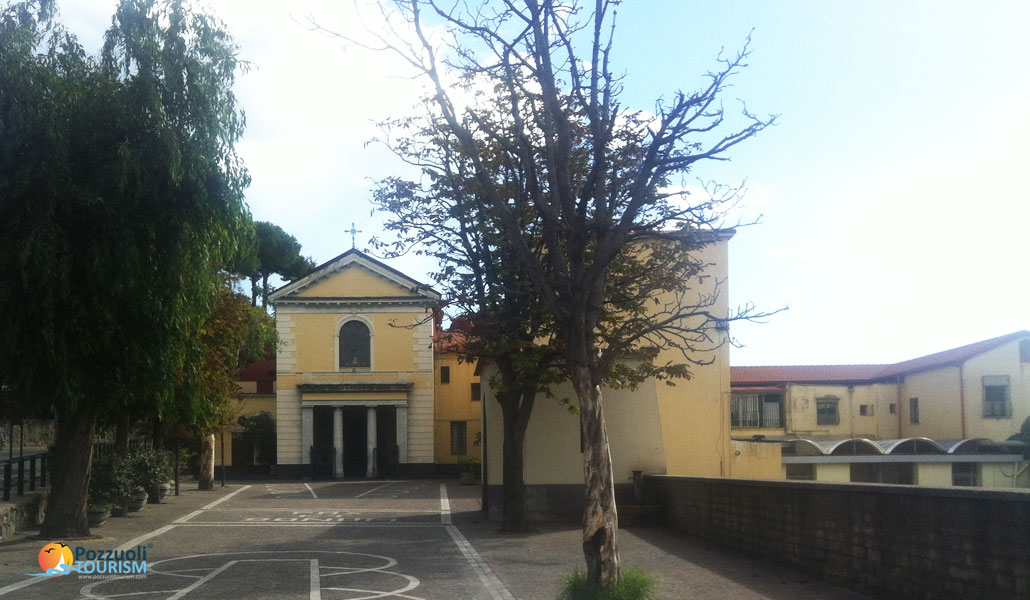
148	469
636	584
259	430
468	464
110	483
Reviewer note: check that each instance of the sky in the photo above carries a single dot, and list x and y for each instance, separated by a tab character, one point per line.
891	204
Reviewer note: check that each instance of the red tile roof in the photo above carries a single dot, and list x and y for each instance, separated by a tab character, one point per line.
262	372
766	375
804	374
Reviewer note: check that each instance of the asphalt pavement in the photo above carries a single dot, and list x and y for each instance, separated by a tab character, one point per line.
367	539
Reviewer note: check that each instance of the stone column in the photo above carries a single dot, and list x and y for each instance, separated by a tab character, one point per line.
338	442
402	434
371	470
307	437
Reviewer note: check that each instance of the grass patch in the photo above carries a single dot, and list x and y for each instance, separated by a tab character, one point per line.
637	584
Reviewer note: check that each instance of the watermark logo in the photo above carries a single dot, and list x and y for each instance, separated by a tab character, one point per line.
56	559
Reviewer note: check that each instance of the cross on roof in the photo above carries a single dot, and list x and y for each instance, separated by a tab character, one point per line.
353	231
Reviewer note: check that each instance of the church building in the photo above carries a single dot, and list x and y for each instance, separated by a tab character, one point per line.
355	372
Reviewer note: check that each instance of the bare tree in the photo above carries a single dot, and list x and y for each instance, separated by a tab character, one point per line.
596	178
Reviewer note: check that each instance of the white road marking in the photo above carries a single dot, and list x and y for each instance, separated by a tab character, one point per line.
202	580
224	498
316	583
374	489
304	524
313	495
492	583
445	505
185	518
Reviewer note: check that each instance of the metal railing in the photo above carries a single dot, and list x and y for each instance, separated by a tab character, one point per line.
30	471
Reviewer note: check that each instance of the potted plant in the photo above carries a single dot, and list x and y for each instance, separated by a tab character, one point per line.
468	467
109	490
148	470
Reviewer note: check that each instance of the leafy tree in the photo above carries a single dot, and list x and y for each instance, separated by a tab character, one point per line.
539	98
259	430
120	193
502	320
234	335
272	252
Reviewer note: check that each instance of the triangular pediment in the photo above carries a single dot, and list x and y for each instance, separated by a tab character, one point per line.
354	276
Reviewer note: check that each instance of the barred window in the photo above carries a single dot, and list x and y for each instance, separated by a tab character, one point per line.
459	438
997	403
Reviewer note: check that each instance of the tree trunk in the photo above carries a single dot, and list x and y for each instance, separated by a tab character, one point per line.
600	518
253	291
516	419
121	434
66	502
158	434
264	290
207	462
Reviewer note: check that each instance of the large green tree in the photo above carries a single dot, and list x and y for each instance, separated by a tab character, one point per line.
602	181
272	251
120	194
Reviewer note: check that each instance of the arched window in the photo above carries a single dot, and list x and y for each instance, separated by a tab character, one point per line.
355	345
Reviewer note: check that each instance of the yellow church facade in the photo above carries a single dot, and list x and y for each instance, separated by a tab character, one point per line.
355	372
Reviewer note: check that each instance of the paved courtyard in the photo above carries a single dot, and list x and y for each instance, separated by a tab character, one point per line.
370	539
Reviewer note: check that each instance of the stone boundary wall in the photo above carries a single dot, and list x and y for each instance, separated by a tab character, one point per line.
23	512
889	541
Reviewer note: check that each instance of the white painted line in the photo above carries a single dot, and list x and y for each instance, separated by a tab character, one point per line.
316	583
224	498
185	518
375	488
136	541
494	586
313	495
7	589
202	581
445	505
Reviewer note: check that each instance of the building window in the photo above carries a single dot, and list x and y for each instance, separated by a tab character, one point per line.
865	410
1024	350
997	404
826	411
894	409
355	345
445	374
459	438
913	410
476	392
965	474
756	410
800	472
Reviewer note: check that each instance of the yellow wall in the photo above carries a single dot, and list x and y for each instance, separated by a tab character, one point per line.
1003	360
552	439
454	403
835	472
750	460
939	414
695	414
933	474
402	352
803	419
354	282
242	407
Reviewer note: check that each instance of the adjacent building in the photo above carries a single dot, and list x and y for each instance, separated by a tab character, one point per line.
940	419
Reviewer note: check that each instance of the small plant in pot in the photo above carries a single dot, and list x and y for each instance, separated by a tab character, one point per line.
109	490
149	470
468	467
